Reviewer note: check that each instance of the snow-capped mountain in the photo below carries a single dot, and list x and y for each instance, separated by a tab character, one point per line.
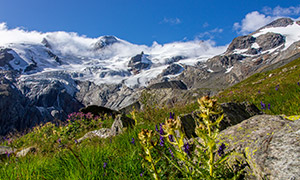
49	75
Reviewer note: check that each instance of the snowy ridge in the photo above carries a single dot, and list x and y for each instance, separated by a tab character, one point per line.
291	33
100	60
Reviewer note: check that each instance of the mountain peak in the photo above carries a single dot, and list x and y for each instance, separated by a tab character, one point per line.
281	22
104	41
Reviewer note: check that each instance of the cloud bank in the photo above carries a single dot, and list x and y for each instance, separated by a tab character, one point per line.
70	43
255	20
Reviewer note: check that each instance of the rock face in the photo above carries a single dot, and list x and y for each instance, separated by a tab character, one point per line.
16	113
271	145
5	57
36	103
269	41
113	96
241	42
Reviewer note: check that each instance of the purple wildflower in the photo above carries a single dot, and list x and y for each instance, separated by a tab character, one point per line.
132	141
161	141
172	115
104	165
221	149
89	115
76	142
263	106
142	173
171	152
171	138
259	92
161	130
59	140
186	149
269	106
298	84
8	154
276	87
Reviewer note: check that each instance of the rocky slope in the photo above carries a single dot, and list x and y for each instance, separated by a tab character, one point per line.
52	76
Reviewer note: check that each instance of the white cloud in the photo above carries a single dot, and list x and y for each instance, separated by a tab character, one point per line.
280	11
71	43
3	26
210	34
172	21
252	22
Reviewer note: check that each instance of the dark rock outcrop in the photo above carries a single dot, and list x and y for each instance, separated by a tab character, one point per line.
169	84
98	110
241	42
5	57
172	70
139	62
46	43
234	113
55	57
12	108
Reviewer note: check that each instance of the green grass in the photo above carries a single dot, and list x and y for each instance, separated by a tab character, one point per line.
278	87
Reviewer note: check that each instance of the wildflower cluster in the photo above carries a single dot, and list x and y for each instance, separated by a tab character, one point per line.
78	122
200	158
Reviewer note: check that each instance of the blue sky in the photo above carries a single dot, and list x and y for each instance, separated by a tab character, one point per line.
145	21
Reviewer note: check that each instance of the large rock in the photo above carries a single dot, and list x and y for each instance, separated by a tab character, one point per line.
121	122
100	133
234	113
25	151
271	144
117	127
5	151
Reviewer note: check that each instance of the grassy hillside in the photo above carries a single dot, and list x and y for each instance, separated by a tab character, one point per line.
274	92
59	156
